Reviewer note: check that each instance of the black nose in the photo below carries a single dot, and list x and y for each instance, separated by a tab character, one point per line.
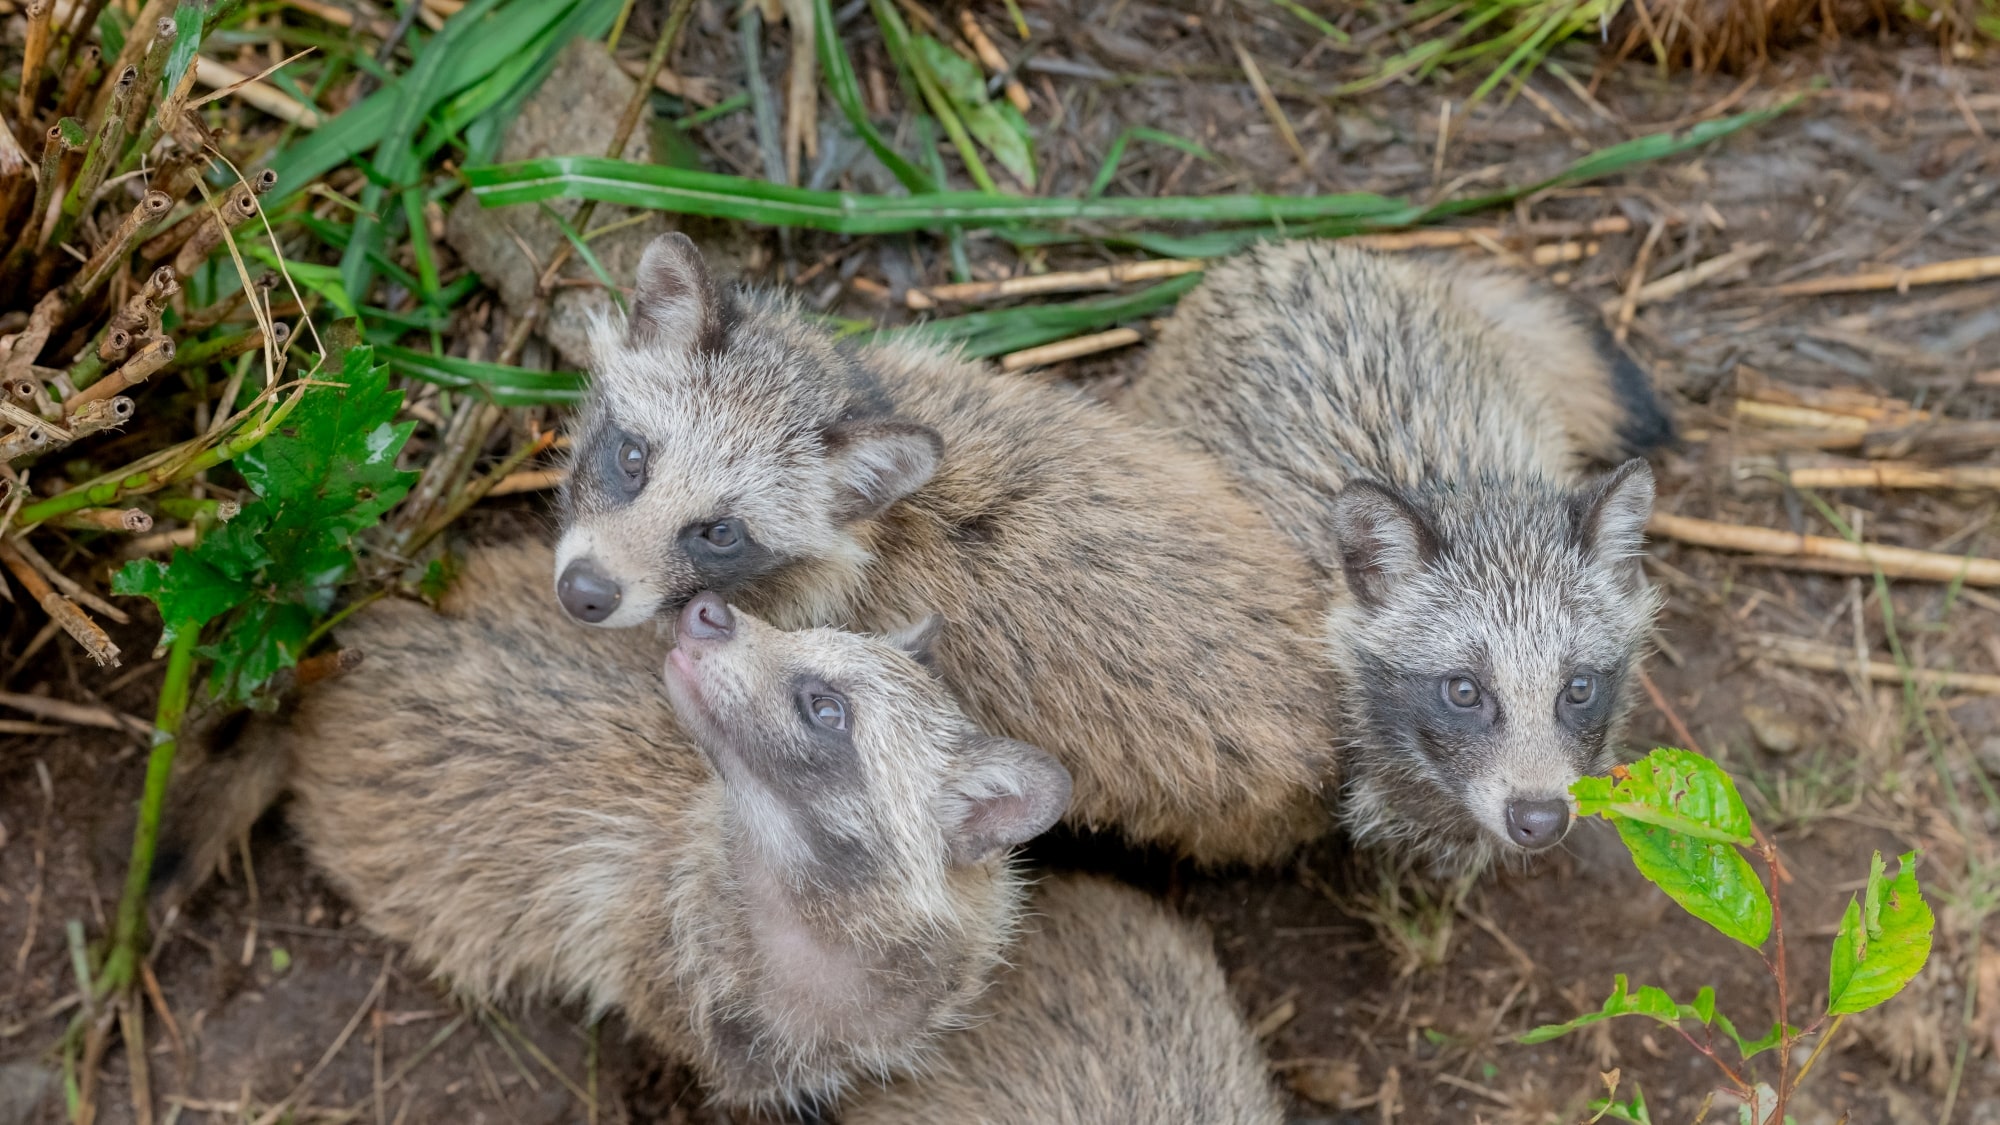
586	593
1537	824
707	618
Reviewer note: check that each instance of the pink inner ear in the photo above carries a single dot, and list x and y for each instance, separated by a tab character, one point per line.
993	824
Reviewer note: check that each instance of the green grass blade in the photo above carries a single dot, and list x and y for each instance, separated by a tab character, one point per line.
1312	19
497	383
583	250
840	82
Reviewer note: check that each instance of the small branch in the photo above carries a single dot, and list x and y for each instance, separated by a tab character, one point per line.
1897	474
75	714
1813	552
1694	277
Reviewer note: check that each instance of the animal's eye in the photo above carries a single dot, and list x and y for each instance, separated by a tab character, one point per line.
631	461
1581	690
721	535
829	711
1461	691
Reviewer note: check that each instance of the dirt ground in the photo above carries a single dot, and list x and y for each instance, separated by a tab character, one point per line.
1381	1001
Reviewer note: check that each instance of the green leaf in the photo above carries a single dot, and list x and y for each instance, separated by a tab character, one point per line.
1634	1110
1672	789
1651	1002
187	39
846	92
1883	942
1682	819
266	638
1710	879
1751	1048
189	592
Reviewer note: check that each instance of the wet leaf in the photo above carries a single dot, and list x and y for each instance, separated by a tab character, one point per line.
1708	878
1884	939
1674	789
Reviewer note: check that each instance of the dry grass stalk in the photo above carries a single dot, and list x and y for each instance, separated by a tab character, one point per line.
72	589
1069	349
215	76
1442	237
1817	657
991	58
528	480
152	207
1694	277
1897	474
101	415
1068	281
1754	384
60	609
1937	273
1272	109
1812	552
75	714
1799	417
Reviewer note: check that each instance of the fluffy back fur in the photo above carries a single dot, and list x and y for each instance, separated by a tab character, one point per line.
510	795
1112	599
1113	1010
1421	433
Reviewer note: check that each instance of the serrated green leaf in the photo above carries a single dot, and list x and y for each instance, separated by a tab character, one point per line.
188	591
1633	1111
1883	942
1709	878
1673	789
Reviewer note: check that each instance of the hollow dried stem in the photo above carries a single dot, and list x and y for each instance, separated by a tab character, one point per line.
76	81
107	519
40	13
155	65
151	209
158	352
1815	552
60	609
229	347
69	586
236	205
100	415
1897	474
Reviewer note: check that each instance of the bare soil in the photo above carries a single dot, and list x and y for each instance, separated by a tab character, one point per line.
1380	1005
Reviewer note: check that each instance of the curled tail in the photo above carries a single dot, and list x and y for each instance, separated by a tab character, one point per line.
215	803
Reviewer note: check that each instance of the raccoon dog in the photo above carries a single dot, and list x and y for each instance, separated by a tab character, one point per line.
1111	1009
1420	430
799	881
1113	600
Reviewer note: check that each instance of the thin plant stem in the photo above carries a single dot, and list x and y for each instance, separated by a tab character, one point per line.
1818	1049
119	970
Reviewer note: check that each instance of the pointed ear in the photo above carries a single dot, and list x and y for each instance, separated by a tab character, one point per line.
1382	539
919	639
879	461
675	303
1611	516
1014	793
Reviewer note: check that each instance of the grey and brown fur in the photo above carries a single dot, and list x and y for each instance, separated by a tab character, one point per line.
512	797
1112	1010
1112	599
1421	430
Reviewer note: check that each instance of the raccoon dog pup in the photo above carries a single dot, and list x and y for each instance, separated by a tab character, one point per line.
801	883
1112	1009
1420	429
1113	600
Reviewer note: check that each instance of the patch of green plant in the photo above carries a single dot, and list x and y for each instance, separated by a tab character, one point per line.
1685	825
259	584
